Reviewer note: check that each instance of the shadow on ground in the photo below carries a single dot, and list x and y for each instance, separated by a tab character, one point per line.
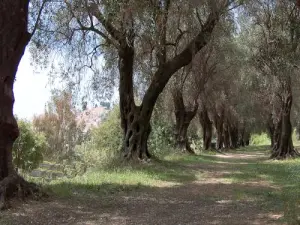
193	203
241	187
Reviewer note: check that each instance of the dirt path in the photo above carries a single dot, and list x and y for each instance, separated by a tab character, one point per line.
211	199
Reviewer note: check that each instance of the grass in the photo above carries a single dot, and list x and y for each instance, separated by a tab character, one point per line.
274	185
122	179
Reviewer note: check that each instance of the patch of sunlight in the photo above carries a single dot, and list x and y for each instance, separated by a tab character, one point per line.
232	163
275	216
212	180
244	196
19	214
224	201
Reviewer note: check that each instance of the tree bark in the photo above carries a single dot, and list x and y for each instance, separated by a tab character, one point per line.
206	125
247	139
183	120
134	122
233	136
241	135
226	135
219	120
14	38
283	144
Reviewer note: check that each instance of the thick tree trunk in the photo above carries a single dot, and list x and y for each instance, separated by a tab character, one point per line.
277	133
219	120
247	136
13	40
135	123
226	135
283	144
183	120
241	134
206	125
234	134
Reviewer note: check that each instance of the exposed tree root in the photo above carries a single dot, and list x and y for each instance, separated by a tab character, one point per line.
186	148
16	186
279	154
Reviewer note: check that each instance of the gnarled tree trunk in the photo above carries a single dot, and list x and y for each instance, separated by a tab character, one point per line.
183	120
13	39
206	125
283	144
134	121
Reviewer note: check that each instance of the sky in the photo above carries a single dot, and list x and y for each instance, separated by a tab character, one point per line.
31	90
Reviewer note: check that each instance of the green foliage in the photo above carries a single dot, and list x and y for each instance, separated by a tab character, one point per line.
104	144
161	137
28	148
260	139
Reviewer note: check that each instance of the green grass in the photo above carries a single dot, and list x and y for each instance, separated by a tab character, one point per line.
124	178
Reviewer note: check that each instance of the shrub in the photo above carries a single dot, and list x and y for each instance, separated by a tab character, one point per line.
28	148
260	139
104	144
60	126
161	138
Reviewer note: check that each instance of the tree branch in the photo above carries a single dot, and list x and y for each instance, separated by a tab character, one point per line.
165	72
90	28
116	34
38	18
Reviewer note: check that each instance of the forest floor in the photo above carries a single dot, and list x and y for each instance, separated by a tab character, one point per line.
239	187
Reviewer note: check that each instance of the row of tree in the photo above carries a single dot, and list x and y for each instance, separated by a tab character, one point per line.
232	62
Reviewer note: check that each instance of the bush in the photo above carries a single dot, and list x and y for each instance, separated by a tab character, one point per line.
28	148
104	144
161	138
260	139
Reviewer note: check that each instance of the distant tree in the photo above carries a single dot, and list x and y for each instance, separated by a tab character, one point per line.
276	51
28	148
59	125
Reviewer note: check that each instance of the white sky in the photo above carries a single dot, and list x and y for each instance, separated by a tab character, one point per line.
31	90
